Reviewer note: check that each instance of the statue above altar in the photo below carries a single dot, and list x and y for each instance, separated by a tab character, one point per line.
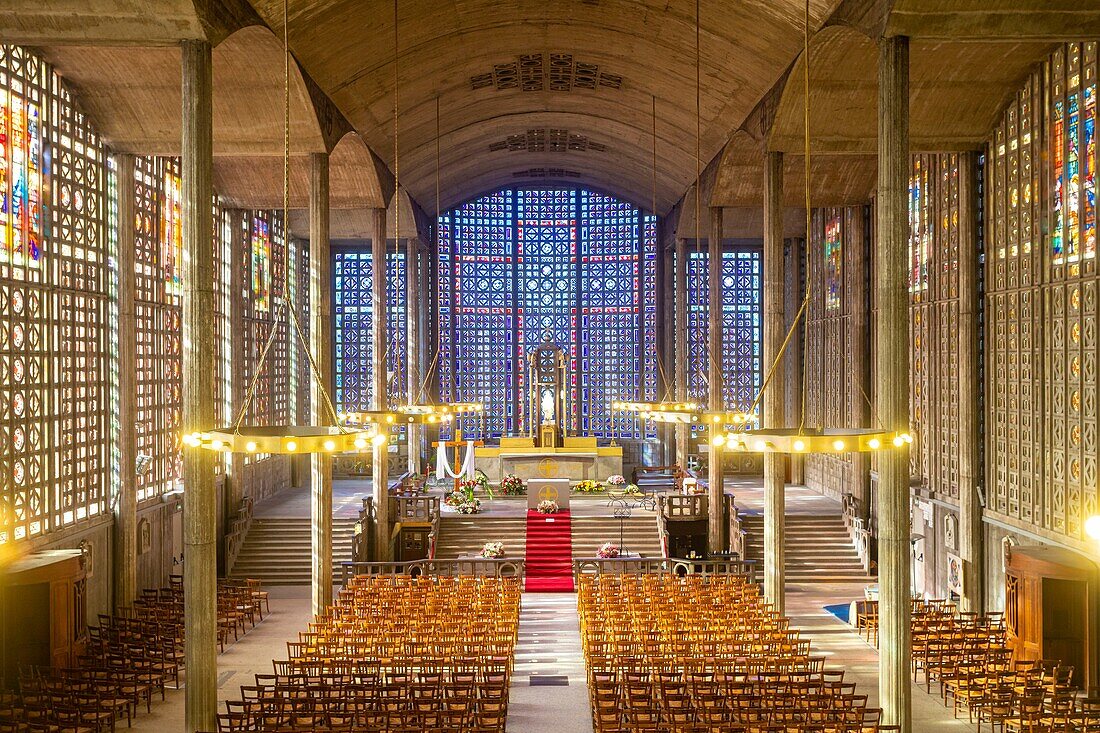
547	404
545	449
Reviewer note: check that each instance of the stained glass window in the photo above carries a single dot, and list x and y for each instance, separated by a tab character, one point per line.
54	430
742	329
352	324
834	262
1073	153
580	266
260	257
24	169
920	234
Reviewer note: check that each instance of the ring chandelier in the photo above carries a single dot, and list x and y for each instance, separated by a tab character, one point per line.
798	440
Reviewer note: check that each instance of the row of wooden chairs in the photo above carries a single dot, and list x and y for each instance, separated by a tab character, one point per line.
128	658
705	654
393	653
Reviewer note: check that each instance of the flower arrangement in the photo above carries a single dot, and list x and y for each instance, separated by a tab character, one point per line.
470	506
547	506
588	486
608	550
512	485
492	550
615	481
454	498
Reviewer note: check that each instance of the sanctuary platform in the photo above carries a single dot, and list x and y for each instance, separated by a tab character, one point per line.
578	458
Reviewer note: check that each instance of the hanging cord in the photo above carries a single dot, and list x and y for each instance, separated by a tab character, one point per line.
288	298
703	374
438	341
396	214
653	208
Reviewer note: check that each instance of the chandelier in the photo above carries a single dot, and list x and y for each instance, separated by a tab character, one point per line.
286	439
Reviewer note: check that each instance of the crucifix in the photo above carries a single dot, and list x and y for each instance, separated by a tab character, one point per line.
456	442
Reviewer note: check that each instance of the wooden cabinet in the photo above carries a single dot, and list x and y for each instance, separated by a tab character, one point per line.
1051	607
43	612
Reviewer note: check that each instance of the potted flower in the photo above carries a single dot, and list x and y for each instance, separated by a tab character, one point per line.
547	506
492	550
588	486
472	505
512	485
608	551
616	481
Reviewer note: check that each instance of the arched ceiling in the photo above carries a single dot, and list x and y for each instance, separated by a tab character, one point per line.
544	90
957	90
132	95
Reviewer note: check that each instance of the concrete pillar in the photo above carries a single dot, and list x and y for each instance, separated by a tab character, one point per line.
665	434
680	340
320	337
716	525
125	564
793	358
379	386
859	329
200	532
414	319
970	470
892	380
773	415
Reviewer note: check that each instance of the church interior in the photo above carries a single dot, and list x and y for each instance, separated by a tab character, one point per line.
365	366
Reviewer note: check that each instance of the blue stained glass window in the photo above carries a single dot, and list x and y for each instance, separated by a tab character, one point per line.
742	326
352	319
518	264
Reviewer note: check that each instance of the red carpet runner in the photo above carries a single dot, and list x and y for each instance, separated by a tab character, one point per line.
549	553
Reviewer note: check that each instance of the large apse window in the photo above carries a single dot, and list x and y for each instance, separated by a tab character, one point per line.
579	266
741	326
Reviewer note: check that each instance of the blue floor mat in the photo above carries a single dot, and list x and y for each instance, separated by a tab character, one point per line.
840	610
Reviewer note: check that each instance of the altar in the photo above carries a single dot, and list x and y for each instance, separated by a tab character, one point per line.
578	458
545	450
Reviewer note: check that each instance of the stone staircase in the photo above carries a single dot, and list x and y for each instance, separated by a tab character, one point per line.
639	534
277	551
818	548
466	534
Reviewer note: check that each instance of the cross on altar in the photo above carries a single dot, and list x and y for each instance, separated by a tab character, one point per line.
455	442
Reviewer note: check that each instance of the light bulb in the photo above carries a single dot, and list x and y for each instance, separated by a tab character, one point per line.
899	441
799	445
250	446
379	439
907	437
874	443
361	443
330	445
838	445
1092	527
718	440
217	444
291	446
760	446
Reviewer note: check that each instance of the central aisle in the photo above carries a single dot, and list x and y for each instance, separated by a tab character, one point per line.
549	688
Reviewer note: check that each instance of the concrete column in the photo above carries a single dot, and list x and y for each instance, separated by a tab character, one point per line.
200	532
716	527
414	319
892	381
859	325
680	348
970	470
662	298
773	415
320	337
125	565
793	372
379	378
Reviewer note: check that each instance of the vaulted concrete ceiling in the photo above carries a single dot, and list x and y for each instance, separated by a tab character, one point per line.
536	90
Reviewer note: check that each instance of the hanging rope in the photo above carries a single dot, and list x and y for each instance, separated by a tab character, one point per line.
288	297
